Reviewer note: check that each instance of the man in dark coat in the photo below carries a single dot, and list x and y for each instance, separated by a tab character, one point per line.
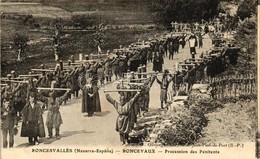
157	62
171	50
8	122
176	45
32	124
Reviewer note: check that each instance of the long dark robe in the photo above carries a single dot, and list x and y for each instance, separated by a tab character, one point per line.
96	100
32	124
87	101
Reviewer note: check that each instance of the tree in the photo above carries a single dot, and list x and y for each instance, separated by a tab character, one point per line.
56	37
99	36
246	8
166	11
20	43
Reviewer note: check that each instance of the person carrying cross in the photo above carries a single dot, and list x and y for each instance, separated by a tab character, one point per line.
126	117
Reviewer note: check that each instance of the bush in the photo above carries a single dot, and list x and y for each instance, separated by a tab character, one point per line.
187	130
246	8
166	11
83	21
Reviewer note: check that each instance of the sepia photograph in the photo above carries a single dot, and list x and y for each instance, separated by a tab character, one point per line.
119	78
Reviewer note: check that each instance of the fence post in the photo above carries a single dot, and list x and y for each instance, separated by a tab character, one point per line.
219	89
222	85
251	83
235	83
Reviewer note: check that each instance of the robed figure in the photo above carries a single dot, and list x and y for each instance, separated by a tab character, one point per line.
90	98
32	123
87	99
125	120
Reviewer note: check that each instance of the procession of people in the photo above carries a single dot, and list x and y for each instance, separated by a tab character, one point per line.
29	96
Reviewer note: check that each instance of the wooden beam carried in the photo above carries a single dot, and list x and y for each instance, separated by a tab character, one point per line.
31	75
43	70
138	79
16	78
55	89
143	73
132	83
188	64
77	61
14	81
123	90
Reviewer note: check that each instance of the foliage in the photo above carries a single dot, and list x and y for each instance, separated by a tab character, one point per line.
246	9
187	129
246	38
166	11
189	124
20	41
99	36
83	21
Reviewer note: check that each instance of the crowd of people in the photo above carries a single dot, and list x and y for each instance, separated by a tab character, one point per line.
23	100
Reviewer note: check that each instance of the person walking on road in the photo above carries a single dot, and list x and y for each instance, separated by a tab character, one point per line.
32	125
193	44
8	122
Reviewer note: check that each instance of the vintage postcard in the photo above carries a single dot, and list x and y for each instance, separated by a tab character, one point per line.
129	79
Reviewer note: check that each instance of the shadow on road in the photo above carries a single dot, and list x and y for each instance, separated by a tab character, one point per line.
102	113
66	134
49	141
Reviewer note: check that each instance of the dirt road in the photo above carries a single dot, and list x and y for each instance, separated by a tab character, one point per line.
78	129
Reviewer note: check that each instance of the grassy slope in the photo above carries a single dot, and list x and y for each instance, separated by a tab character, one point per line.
82	42
236	121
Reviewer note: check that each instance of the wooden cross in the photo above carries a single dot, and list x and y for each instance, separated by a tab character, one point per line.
140	73
183	65
16	78
44	70
123	90
55	89
132	83
127	82
174	25
138	79
30	75
82	61
196	25
74	63
14	81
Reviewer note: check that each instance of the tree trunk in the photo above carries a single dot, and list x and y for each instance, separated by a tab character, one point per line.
19	55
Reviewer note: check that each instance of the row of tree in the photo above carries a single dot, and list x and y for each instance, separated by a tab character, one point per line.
166	11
